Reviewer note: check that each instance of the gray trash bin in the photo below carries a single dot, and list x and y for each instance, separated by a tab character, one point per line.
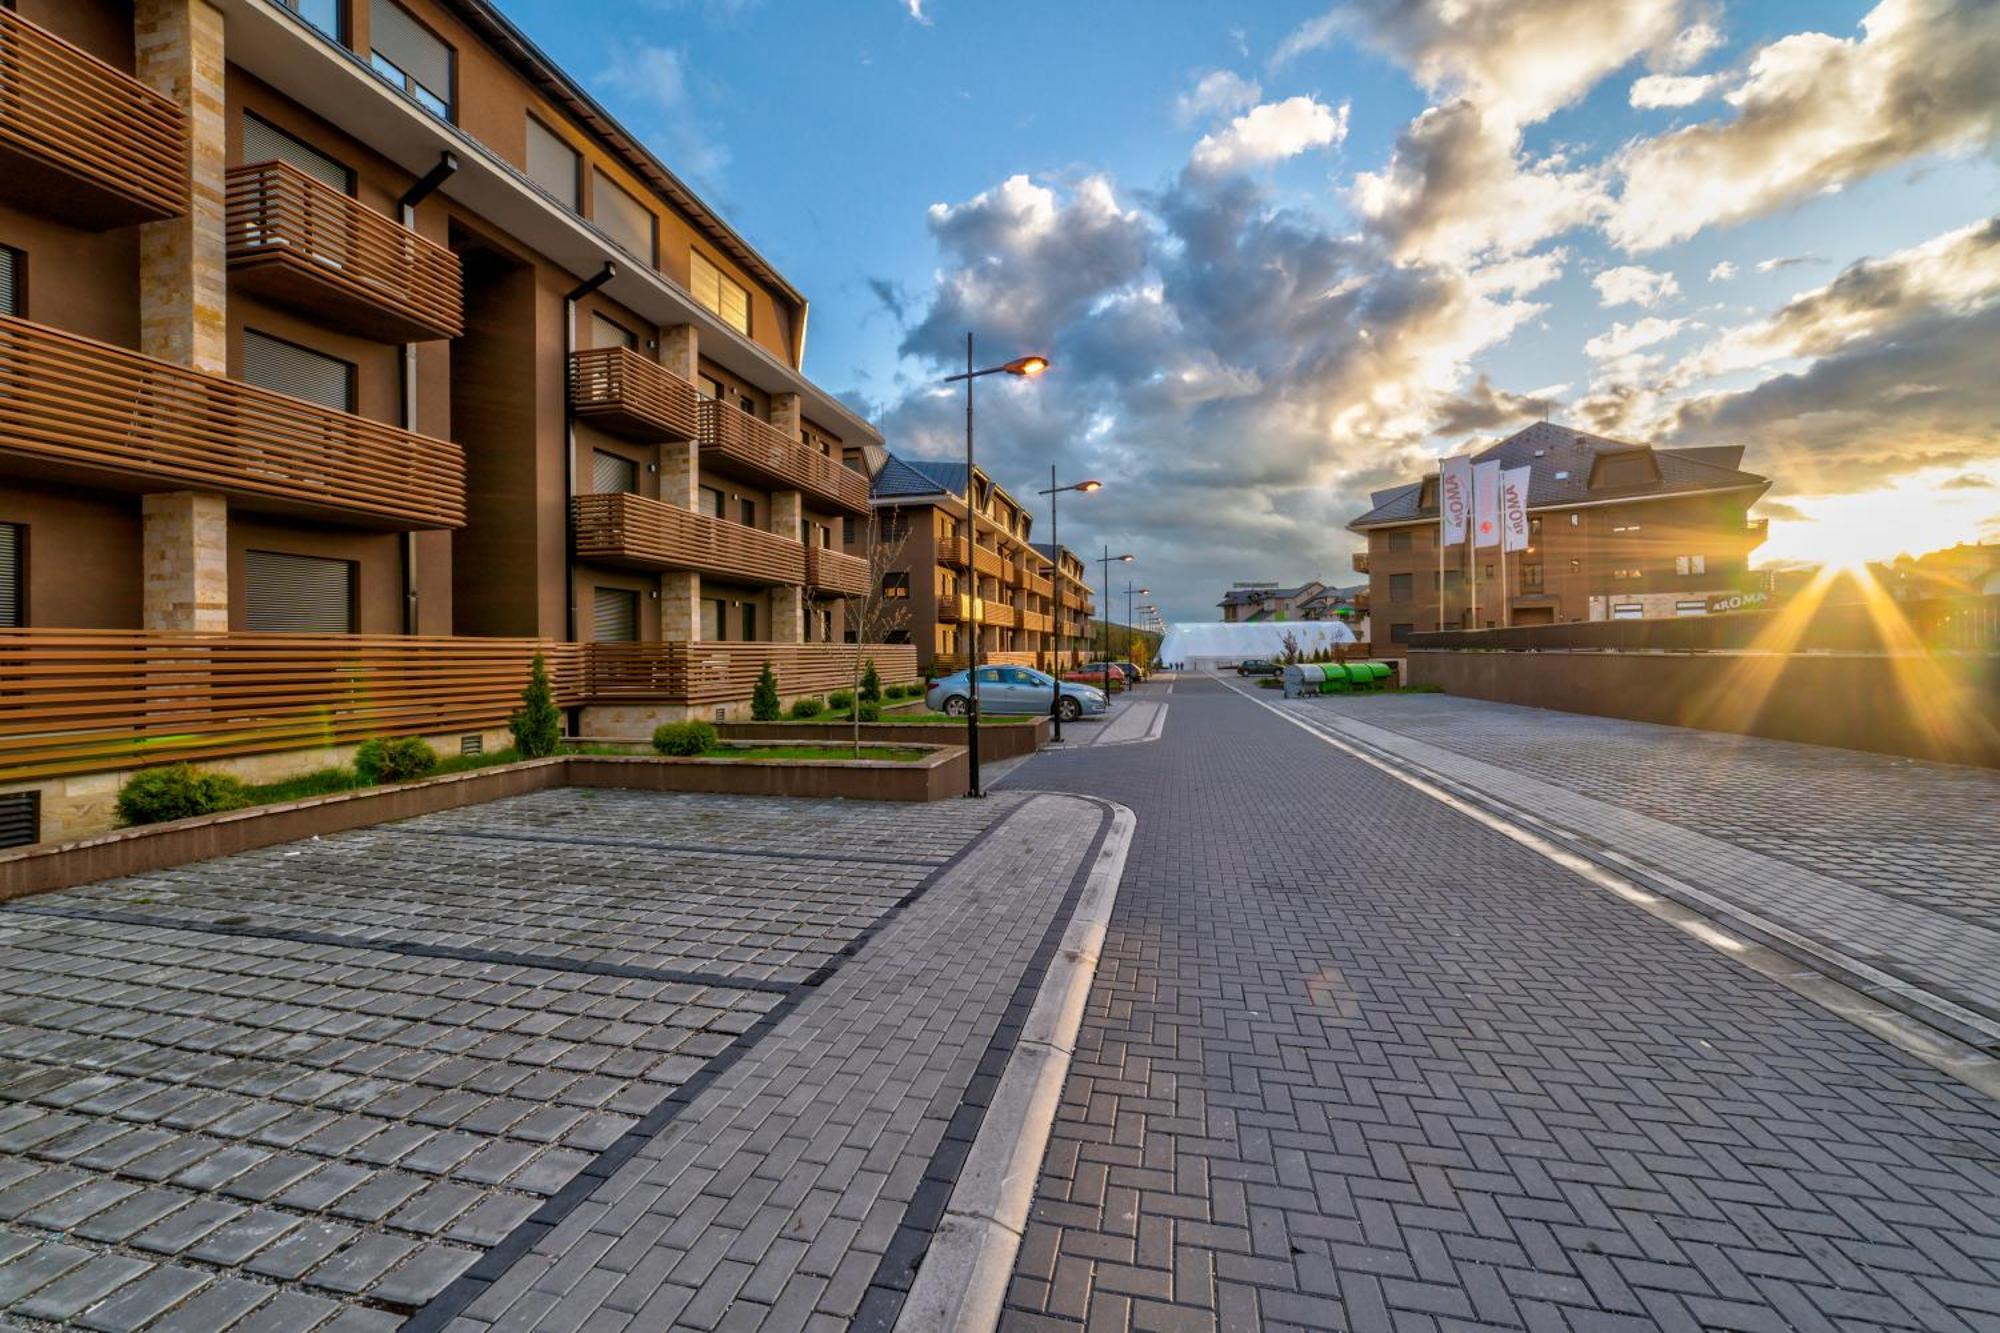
1302	679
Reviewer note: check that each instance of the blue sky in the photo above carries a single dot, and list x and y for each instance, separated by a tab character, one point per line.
1283	254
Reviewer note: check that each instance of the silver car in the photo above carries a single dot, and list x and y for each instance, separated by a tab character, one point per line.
1012	689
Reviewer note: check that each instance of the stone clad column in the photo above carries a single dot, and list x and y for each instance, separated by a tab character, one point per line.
680	351
788	414
680	606
183	306
788	604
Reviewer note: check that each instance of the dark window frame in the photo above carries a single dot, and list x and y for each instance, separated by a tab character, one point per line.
20	262
22	583
353	371
410	88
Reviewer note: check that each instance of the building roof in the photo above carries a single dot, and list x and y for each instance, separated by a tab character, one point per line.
1561	459
918	476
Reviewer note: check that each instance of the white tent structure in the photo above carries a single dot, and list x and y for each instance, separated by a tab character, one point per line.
1199	645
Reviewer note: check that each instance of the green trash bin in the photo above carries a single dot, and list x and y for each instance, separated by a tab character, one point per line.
1384	674
1359	677
1335	681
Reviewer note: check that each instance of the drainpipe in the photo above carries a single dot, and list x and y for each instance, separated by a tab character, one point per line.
416	194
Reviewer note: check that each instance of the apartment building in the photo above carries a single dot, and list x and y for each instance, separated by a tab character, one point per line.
360	323
926	593
1617	531
1071	640
1251	603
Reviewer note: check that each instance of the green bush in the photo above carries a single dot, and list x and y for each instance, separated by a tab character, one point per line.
537	726
764	701
807	707
177	792
1270	683
840	699
397	760
871	683
684	738
868	712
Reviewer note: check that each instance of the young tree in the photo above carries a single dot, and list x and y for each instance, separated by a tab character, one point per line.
537	725
764	701
871	684
871	616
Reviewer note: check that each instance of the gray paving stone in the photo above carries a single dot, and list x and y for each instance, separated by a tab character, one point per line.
139	1303
82	1287
35	1267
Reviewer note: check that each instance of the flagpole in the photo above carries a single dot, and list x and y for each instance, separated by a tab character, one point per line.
1506	596
1440	544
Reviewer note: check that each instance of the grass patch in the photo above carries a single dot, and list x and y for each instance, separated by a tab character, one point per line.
901	754
327	781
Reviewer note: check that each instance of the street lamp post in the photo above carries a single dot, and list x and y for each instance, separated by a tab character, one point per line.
1106	618
1055	583
1029	366
1143	592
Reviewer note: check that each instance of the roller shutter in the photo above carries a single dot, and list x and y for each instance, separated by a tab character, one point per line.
299	593
616	618
613	474
13	538
264	142
10	281
277	365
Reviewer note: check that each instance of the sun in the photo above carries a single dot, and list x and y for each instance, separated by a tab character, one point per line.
1911	515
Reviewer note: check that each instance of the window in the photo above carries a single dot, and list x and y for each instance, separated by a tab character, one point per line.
1451	580
720	294
614	615
1487	572
1694	607
896	585
1400	633
1399	541
1531	578
613	474
13	584
13	282
621	217
606	333
1628	611
1625	527
746	511
749	623
1628	572
322	14
1690	564
554	165
297	593
265	142
847	530
1534	530
286	368
710	387
713	620
410	56
1401	586
711	501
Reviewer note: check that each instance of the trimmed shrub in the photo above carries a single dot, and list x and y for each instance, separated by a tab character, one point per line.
807	707
177	792
871	683
840	699
397	760
868	712
684	739
537	726
764	700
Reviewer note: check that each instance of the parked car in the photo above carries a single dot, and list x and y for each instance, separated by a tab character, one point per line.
1256	666
1011	689
1132	674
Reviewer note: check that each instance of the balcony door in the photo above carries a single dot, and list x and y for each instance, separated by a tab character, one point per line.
298	594
615	616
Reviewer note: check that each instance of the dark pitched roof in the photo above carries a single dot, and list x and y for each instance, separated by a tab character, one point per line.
1560	459
918	476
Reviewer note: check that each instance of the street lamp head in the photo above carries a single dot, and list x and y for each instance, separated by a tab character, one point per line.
1143	592
1029	366
1128	557
1088	486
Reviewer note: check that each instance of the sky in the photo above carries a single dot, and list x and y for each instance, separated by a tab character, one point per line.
1282	255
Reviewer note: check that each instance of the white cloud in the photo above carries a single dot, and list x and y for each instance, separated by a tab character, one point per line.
1455	188
1668	90
1724	271
915	9
1633	285
1777	262
1218	92
1816	112
1271	133
1688	47
656	91
1623	339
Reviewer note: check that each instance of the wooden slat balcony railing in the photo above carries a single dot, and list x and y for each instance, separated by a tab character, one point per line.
734	441
1038	584
652	534
302	244
616	389
82	141
86	701
75	409
950	608
1361	562
1036	621
1000	614
990	563
834	574
713	673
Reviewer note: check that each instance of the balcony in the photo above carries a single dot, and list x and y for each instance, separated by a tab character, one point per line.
616	389
832	574
1036	621
1038	584
301	244
81	141
991	563
651	534
1756	530
1361	562
1000	614
76	410
734	442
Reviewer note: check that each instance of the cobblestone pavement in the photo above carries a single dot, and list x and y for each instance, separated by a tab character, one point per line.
1888	861
315	1086
1354	1061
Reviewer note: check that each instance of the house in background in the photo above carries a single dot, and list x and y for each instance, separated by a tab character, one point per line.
1617	531
1268	602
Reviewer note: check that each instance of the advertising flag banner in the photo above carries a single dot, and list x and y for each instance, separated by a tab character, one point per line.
1485	504
1514	508
1455	498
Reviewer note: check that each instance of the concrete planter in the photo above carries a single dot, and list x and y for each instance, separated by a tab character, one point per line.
47	866
996	741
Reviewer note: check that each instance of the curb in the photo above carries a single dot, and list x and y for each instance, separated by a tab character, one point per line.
1927	1027
963	1282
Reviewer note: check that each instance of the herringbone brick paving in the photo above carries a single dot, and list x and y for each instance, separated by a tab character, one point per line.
1353	1061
